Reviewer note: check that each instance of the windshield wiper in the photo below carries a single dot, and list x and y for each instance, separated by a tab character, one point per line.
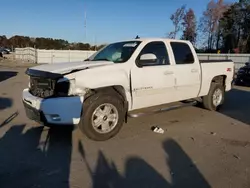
103	59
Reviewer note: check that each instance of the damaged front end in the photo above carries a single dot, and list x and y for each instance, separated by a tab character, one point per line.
46	85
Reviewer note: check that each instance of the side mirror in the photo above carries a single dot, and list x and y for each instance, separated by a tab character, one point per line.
147	59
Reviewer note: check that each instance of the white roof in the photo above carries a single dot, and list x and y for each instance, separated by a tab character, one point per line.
156	39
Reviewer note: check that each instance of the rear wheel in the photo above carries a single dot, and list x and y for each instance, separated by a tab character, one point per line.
215	98
102	117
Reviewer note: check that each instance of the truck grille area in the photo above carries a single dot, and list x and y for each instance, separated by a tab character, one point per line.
42	87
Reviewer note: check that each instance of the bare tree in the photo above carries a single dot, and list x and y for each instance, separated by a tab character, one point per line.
189	26
220	9
209	22
206	25
3	41
177	18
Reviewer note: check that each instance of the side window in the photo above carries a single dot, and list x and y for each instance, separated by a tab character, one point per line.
182	53
159	50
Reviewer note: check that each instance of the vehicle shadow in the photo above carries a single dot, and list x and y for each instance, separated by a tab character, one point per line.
5	75
41	157
138	173
36	158
5	103
237	105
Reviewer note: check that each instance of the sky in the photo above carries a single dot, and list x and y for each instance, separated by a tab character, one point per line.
106	20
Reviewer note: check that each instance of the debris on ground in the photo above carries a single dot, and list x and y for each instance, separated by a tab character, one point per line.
53	172
236	157
157	129
174	121
213	133
172	173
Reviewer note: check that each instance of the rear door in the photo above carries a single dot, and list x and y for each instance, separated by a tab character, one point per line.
187	70
154	83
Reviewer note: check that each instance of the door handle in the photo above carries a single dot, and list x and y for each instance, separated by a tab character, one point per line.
194	70
168	72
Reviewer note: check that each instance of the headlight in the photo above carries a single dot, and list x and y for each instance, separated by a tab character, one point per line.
65	87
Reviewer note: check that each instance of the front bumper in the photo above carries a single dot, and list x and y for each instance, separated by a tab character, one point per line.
34	114
59	111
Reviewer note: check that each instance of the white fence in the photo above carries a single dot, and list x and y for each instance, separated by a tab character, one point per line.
27	54
51	56
57	56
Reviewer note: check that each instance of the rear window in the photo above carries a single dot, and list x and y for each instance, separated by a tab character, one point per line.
182	53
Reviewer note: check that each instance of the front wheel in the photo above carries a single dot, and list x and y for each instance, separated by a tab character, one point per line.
215	98
102	116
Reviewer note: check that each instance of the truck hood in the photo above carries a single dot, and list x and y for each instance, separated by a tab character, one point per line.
64	68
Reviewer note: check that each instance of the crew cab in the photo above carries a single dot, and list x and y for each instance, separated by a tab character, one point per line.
99	93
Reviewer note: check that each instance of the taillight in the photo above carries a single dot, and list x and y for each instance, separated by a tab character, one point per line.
234	73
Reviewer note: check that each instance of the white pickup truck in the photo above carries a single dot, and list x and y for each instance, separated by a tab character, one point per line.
99	93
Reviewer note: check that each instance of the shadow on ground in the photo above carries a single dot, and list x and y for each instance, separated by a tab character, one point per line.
5	103
29	161
138	173
237	105
26	161
5	75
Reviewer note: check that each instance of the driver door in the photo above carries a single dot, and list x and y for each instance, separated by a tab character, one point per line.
153	80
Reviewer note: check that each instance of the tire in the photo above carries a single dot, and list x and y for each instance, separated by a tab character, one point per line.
208	101
97	101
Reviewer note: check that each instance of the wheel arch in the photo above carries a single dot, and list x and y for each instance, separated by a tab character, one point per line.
220	79
118	90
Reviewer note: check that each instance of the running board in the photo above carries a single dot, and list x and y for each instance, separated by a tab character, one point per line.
163	109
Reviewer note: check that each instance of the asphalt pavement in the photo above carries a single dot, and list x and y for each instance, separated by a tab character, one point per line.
199	148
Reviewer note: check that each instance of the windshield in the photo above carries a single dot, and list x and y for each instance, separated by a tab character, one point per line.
118	52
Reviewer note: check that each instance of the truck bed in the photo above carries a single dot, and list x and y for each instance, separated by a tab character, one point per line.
213	68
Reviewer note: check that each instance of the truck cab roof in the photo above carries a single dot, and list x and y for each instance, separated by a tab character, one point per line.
157	39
